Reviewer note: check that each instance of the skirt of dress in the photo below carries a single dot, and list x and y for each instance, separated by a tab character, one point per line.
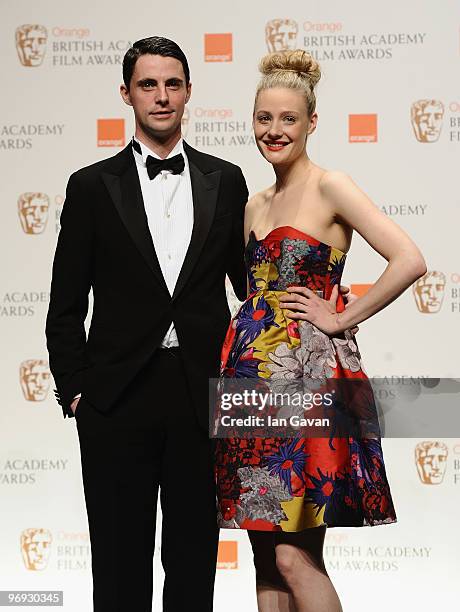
295	483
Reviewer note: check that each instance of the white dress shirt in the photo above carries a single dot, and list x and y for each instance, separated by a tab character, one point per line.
169	207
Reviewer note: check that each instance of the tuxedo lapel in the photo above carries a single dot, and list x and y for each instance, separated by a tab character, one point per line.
205	188
125	190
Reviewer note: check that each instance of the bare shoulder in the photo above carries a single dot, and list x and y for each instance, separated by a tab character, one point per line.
340	191
254	208
333	182
258	201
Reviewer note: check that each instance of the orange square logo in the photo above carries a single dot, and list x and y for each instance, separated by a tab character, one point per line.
227	556
360	289
110	132
218	47
362	128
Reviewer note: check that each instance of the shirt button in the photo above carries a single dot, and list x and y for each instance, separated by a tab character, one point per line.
168	215
169	255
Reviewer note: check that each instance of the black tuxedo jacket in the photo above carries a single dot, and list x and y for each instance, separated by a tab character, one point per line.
105	244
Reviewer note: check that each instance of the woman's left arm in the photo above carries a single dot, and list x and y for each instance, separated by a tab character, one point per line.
405	261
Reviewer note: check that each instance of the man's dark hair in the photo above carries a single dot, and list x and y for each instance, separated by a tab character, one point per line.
154	45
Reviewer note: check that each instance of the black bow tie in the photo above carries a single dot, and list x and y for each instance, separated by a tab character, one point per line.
154	165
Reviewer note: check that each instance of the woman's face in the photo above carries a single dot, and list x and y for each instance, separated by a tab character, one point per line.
281	124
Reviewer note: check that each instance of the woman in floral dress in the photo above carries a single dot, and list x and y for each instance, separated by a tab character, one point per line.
293	326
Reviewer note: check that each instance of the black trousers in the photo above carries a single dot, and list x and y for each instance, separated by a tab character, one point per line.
150	440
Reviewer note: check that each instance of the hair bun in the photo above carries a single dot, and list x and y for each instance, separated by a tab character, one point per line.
298	61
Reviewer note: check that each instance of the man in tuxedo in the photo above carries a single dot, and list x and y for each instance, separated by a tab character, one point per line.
153	231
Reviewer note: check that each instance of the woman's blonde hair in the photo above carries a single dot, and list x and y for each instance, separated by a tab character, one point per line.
292	69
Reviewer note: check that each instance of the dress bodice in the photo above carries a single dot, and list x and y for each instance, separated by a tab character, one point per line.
287	257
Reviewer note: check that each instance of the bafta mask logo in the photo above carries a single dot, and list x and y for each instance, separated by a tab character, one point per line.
31	44
281	35
36	548
185	122
431	461
426	117
33	210
35	378
429	292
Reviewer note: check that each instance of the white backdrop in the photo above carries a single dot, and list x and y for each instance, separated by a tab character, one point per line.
61	77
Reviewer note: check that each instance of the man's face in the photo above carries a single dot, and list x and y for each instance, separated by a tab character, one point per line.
428	123
32	46
158	95
433	465
282	37
429	294
34	214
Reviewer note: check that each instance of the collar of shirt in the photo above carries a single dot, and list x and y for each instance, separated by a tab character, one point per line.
141	159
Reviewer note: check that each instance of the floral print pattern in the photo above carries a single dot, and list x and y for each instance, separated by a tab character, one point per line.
314	357
291	484
263	496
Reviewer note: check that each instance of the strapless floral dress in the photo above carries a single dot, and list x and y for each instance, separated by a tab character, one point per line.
291	484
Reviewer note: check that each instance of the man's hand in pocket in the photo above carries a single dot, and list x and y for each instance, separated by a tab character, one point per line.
74	404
